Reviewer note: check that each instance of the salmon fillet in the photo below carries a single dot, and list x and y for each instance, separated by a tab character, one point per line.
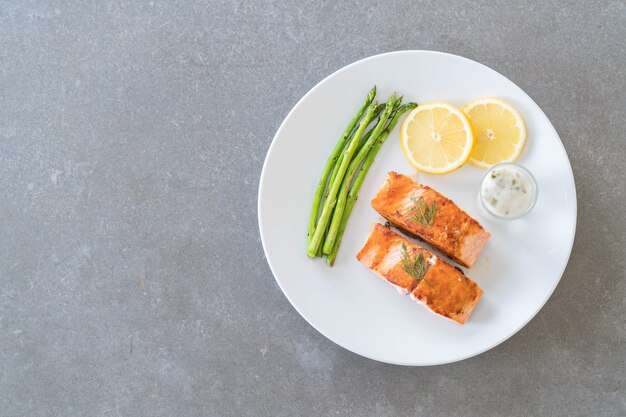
452	231
444	289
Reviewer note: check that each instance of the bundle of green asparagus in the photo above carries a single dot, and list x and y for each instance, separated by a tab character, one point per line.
345	170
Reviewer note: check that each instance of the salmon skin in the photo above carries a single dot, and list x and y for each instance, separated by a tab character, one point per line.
444	289
409	206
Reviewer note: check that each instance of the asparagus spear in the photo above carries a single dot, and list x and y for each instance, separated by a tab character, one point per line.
338	163
333	187
361	142
367	135
363	139
329	242
353	194
334	156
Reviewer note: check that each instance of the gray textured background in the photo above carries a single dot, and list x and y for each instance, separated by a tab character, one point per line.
132	278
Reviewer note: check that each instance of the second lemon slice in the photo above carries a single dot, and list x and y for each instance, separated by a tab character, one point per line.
499	129
436	138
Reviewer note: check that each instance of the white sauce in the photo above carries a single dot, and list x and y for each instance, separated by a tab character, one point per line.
508	191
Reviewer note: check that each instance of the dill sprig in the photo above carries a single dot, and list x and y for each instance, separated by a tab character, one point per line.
414	266
421	212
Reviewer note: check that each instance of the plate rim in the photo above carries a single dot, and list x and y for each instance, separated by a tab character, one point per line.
508	335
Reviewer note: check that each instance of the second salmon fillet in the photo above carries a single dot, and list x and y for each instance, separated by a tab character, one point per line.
442	288
420	211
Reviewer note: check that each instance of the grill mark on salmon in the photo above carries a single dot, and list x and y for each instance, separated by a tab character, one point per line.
453	232
444	290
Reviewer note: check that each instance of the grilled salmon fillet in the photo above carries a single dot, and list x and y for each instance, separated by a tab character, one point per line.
444	289
452	231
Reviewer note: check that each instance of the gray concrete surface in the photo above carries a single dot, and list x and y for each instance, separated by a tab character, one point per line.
132	278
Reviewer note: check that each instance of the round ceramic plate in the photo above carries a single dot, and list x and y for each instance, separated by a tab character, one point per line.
349	304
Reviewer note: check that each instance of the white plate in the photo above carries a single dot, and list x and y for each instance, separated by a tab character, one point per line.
518	270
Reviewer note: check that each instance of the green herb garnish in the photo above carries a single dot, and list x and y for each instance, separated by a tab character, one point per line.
421	212
414	266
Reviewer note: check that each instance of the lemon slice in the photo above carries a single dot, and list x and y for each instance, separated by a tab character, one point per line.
499	129
436	138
